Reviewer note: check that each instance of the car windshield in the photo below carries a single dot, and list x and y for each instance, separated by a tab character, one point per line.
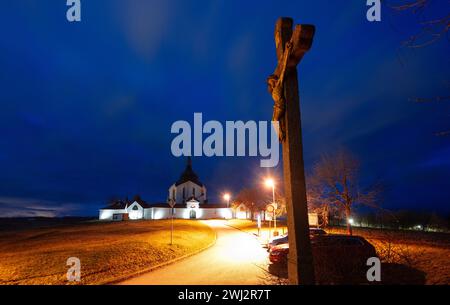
277	238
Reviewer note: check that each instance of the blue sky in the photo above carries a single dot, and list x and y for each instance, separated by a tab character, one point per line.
86	108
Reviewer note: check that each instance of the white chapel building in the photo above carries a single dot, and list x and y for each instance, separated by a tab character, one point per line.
188	194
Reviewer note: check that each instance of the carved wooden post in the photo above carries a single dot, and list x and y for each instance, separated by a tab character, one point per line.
300	260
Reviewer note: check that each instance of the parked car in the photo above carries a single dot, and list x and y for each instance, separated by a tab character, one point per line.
278	240
316	232
278	254
283	239
340	249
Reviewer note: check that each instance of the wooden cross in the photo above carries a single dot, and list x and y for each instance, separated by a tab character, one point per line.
300	260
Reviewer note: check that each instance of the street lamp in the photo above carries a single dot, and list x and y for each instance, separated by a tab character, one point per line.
270	183
227	197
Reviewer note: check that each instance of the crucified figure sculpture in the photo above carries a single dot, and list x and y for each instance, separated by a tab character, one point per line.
276	88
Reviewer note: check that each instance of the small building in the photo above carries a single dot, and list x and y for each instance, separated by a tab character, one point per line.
242	212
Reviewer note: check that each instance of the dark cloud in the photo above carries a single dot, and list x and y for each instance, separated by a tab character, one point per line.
86	108
27	207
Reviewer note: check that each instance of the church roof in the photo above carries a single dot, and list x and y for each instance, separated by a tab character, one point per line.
192	198
188	175
122	204
141	202
116	205
166	205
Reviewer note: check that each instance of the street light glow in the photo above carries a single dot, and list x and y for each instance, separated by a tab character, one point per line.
351	221
269	182
226	197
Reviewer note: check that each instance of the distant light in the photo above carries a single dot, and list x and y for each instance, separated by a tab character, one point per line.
226	197
269	182
419	227
351	221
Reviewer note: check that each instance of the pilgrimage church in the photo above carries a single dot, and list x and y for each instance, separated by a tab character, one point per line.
188	194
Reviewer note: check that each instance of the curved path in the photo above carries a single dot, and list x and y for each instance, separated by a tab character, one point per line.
236	258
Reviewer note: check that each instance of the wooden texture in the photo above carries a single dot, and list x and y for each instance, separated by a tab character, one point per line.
300	260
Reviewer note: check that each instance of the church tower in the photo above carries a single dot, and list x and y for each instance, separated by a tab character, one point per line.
188	187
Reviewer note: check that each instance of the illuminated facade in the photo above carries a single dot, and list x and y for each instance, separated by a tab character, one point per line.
188	194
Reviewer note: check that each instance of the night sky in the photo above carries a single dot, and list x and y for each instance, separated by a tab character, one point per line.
86	108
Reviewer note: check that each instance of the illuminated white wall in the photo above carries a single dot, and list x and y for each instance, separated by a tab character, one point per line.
160	213
106	214
185	213
225	213
164	213
148	213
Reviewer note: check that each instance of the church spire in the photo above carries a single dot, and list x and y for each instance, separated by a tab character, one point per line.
188	174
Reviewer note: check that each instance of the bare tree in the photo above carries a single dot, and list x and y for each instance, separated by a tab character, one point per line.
335	182
281	204
256	200
433	26
316	204
253	199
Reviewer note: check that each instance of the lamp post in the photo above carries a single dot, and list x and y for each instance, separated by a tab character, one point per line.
227	197
172	205
171	226
271	183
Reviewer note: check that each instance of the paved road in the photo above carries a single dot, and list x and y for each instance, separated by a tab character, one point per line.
236	258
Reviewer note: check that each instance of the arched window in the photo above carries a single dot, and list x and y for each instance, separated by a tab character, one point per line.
135	208
173	194
184	193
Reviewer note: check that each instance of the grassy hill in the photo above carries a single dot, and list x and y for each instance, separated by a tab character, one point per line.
108	251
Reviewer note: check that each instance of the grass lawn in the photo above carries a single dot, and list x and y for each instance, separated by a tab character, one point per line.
108	251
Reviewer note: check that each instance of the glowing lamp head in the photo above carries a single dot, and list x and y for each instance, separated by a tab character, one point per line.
226	197
269	182
351	221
